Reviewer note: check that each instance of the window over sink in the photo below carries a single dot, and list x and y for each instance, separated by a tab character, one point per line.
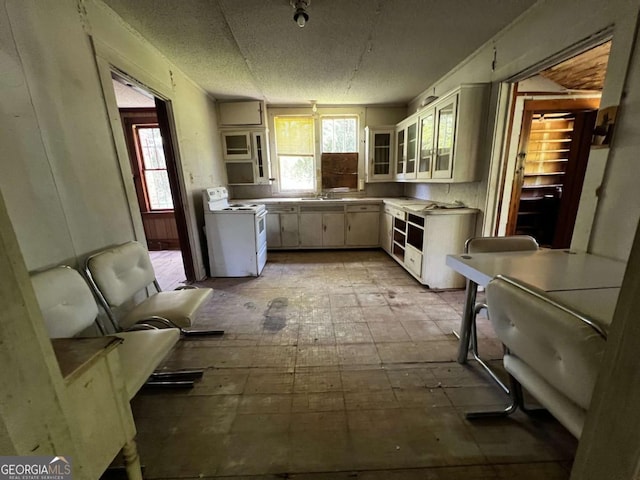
339	159
295	153
315	151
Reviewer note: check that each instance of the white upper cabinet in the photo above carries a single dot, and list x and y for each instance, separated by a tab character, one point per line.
234	114
445	129
245	147
379	153
451	134
406	148
427	128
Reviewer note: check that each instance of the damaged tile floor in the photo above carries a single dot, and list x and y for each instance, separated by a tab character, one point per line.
338	365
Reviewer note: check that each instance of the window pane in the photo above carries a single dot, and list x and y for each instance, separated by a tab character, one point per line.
294	135
158	190
151	147
339	135
296	173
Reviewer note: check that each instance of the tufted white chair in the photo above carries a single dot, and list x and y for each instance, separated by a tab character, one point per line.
119	275
68	308
552	351
512	243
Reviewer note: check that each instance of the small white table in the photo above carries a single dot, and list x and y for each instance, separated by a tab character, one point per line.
548	270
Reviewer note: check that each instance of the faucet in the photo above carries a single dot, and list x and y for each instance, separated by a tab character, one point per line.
326	195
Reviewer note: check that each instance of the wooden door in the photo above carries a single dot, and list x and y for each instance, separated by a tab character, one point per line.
552	157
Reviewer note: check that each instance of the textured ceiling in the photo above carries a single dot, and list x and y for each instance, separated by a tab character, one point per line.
350	52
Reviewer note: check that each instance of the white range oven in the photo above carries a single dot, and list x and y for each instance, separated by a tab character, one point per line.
236	235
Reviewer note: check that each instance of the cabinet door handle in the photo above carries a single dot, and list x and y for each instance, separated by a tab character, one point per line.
349	228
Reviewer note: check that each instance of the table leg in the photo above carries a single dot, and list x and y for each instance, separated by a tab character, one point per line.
132	461
465	323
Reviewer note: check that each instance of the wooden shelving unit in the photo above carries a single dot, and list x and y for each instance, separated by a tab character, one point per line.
544	172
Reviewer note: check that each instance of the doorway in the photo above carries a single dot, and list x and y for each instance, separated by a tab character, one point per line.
555	139
146	125
552	122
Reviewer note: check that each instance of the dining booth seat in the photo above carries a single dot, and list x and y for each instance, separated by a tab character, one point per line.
552	351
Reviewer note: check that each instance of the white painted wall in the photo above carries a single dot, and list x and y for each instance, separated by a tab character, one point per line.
618	209
35	411
544	30
59	150
61	176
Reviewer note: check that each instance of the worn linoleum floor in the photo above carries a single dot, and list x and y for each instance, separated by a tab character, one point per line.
338	365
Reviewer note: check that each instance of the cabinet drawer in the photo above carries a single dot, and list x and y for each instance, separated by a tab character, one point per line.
413	260
395	212
322	208
363	208
282	208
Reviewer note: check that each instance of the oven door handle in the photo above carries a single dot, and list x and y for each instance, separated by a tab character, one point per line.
261	215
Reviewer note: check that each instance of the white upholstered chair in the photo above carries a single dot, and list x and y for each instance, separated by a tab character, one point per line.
512	243
69	308
121	274
552	351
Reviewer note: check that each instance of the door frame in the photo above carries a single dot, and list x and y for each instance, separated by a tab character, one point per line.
512	141
574	176
189	242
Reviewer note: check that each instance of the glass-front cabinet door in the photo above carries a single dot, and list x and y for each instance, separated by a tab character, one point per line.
445	126
406	148
380	153
236	145
261	157
401	155
427	128
412	149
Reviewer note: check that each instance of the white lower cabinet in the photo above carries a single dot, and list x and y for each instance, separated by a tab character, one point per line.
386	230
289	229
363	225
282	226
421	243
310	229
333	229
445	234
321	226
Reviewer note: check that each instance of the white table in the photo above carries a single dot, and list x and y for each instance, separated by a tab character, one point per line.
599	304
548	270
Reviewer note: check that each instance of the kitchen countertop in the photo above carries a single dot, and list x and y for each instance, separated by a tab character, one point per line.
410	205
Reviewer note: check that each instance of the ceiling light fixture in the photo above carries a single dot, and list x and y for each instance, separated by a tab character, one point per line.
301	17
